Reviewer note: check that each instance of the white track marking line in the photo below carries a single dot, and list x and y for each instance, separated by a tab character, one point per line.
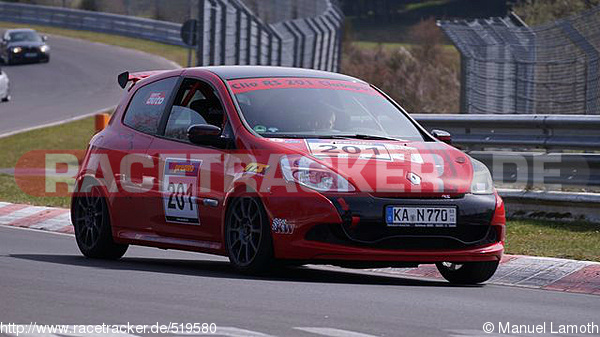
477	333
64	121
331	332
231	332
35	230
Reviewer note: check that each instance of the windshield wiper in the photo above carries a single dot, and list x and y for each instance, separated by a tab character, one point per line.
342	136
361	136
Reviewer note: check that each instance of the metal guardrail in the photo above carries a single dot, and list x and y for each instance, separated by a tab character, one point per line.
545	132
544	166
308	33
528	150
147	29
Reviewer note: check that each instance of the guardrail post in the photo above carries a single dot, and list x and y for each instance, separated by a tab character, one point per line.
212	35
592	71
200	35
248	38
259	44
238	35
302	42
101	121
223	26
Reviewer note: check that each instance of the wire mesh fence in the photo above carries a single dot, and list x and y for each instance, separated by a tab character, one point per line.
508	67
297	33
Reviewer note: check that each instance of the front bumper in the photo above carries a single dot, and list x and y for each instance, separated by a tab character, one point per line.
28	55
354	229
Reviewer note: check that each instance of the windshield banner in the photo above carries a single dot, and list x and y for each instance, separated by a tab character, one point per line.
251	84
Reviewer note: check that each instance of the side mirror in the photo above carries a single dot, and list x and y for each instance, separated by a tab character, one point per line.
442	136
204	134
44	38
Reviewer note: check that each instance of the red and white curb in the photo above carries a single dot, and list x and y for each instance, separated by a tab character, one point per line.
36	217
528	271
515	270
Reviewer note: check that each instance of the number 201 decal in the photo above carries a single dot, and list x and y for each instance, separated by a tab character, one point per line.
327	148
180	181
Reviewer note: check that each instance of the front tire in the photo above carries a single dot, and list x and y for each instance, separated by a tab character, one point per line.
93	232
468	272
248	236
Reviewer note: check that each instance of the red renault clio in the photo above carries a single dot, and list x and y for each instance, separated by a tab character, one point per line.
286	165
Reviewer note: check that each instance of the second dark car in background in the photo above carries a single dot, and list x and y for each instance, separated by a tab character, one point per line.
23	45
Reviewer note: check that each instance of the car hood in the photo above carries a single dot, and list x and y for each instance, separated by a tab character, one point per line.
25	44
391	168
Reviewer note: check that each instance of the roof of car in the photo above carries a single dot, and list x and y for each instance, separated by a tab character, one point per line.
237	72
20	30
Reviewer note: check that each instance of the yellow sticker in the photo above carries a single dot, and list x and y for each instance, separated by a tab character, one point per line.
256	168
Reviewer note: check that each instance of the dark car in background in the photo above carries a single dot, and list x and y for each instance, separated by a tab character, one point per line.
23	45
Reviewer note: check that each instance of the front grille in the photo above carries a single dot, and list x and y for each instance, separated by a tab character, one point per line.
474	214
29	49
380	237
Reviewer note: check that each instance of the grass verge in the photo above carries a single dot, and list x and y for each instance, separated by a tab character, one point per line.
570	240
173	53
69	136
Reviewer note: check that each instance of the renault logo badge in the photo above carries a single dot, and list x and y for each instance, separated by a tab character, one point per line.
413	178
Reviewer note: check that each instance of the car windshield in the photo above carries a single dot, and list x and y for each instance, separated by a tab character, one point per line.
25	36
316	107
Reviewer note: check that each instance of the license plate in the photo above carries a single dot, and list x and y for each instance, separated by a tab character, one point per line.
415	216
30	54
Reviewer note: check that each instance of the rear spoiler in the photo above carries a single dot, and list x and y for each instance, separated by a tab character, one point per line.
126	77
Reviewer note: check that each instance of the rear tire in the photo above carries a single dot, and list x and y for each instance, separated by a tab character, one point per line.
7	98
248	236
93	232
468	272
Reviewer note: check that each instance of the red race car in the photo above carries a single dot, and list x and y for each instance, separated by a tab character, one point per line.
271	165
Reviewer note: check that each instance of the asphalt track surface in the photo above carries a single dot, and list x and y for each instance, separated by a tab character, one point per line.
80	78
44	279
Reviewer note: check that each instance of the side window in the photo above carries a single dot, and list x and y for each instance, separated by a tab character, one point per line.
195	103
148	104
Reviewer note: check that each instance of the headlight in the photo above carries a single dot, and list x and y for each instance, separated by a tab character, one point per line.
309	173
482	179
44	49
17	50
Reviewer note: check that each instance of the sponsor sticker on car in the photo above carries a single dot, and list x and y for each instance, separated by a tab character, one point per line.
156	98
179	190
